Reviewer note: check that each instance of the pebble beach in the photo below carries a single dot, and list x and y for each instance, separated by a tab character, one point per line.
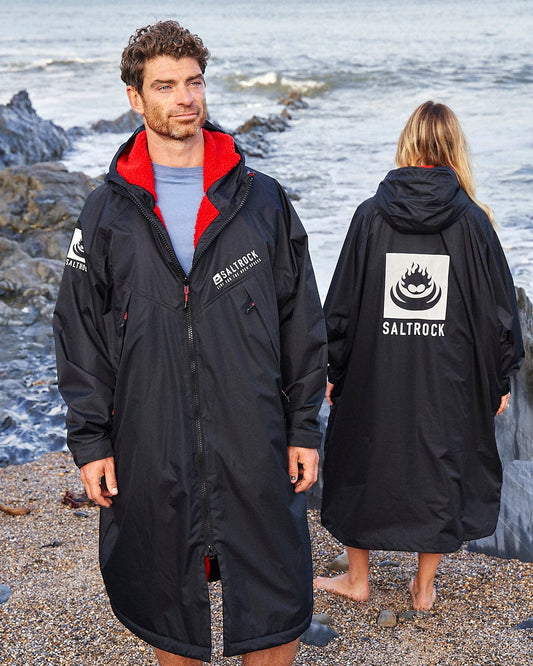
58	615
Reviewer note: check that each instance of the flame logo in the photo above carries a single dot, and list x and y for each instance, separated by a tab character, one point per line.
416	290
77	249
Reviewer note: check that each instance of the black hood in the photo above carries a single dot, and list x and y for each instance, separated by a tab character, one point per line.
418	200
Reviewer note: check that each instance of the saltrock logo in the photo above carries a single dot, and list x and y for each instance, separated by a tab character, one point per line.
416	286
76	253
236	268
415	290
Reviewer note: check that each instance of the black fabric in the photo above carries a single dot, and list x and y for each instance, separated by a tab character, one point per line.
196	388
423	338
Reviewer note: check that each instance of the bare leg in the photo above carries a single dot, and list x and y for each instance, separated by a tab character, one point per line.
421	587
282	655
169	659
354	583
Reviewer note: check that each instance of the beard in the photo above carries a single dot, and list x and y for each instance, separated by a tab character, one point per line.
172	126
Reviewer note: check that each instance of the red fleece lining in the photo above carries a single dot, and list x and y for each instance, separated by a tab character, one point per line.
220	156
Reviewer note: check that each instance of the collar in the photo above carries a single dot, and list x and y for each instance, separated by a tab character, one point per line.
220	156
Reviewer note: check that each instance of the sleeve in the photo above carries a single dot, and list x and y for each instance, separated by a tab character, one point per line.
302	332
511	342
86	377
341	305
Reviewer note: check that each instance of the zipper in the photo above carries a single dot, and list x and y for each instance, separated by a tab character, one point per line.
199	444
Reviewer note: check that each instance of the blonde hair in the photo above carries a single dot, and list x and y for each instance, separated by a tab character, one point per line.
433	137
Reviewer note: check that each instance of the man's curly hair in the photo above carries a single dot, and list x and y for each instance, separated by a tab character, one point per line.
165	38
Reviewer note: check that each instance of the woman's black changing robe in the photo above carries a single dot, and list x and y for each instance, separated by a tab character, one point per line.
423	338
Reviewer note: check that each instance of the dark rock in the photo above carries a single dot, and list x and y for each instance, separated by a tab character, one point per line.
251	135
44	196
258	124
387	618
340	563
76	501
39	206
77	132
127	122
25	138
527	624
513	537
5	593
81	514
406	616
318	634
293	100
323	618
54	544
388	563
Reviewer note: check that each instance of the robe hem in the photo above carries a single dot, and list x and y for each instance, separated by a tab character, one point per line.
165	642
451	546
233	649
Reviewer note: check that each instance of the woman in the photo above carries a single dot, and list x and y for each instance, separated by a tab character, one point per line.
423	337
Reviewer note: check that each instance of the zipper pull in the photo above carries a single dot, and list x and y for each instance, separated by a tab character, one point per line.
185	294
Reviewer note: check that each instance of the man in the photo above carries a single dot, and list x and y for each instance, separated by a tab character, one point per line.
191	354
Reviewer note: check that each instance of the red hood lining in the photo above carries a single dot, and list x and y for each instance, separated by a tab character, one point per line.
220	156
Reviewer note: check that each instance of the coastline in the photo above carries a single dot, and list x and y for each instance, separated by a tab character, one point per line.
58	613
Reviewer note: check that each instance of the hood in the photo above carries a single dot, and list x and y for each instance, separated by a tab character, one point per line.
132	164
419	200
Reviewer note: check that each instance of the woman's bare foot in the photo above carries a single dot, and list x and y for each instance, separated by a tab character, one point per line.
358	591
423	600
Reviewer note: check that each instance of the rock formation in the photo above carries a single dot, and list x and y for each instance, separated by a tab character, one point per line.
25	138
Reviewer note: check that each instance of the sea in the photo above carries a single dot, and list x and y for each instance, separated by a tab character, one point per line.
361	67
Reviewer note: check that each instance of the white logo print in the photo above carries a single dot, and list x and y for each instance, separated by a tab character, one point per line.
76	253
416	286
236	268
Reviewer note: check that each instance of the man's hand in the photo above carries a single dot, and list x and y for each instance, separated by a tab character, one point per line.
100	481
304	463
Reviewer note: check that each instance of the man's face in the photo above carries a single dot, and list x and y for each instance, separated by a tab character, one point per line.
172	100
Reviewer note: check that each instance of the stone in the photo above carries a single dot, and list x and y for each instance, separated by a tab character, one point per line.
25	138
388	563
81	514
340	563
251	135
5	593
323	618
126	123
387	618
318	634
526	624
406	616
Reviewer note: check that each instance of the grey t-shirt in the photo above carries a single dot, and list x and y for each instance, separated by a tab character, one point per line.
179	194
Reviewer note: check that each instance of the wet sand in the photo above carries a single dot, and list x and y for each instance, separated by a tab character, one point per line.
58	613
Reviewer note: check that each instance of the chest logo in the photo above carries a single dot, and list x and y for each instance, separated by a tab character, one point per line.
235	269
416	286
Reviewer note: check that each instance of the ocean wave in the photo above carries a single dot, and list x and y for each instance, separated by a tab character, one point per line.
46	63
402	73
283	84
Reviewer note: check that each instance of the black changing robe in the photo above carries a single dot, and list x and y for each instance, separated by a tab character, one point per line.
424	336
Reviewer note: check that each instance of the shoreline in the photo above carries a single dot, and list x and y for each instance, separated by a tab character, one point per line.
58	613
